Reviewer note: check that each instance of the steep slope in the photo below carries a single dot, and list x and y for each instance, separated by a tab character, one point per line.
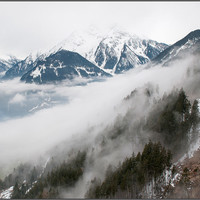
21	67
108	50
62	65
82	42
141	176
188	178
3	66
189	44
119	49
6	64
128	60
114	52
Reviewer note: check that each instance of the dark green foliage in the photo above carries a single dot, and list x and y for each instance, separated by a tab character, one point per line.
119	128
36	190
185	181
155	159
2	185
182	104
173	118
174	170
21	173
65	175
19	192
133	173
17	177
194	117
51	164
33	175
16	192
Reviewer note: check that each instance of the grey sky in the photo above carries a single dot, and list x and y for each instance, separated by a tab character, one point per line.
37	26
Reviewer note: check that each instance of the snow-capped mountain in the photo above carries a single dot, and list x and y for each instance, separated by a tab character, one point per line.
120	51
189	44
21	67
80	41
128	60
5	64
62	65
83	42
109	51
113	52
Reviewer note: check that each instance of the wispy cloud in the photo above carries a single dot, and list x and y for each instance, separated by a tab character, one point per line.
84	112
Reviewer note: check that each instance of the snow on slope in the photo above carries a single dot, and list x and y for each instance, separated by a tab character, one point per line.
6	194
111	53
105	49
7	63
189	44
82	42
194	146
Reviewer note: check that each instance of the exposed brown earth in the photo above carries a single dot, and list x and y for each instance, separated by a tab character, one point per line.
189	184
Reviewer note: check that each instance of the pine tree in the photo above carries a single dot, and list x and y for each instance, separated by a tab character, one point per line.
182	104
194	115
185	180
133	172
16	192
33	175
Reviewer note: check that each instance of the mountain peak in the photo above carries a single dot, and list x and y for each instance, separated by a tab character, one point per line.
173	52
193	34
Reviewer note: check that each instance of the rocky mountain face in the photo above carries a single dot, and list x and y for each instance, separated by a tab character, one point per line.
62	65
114	53
77	42
190	44
158	132
3	67
7	64
120	51
105	50
19	68
149	173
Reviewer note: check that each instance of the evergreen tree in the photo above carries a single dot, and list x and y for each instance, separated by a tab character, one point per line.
185	181
194	118
182	105
16	192
65	175
2	185
33	176
134	171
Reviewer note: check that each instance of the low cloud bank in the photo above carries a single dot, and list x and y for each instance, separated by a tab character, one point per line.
74	110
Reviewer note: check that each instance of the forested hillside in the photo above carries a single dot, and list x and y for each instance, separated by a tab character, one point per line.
150	173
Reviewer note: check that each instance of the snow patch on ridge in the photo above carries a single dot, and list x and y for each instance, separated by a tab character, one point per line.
6	194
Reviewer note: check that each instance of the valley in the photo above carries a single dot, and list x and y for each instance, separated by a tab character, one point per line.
116	117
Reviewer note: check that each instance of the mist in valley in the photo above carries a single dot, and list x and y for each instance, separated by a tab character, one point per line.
38	122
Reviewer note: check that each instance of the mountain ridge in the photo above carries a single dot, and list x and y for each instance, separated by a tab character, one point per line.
62	65
188	42
108	52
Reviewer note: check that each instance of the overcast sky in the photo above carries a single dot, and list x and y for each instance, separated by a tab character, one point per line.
37	26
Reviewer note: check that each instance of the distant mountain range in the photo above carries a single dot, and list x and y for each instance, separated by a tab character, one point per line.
165	122
105	55
189	44
62	65
7	64
90	54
